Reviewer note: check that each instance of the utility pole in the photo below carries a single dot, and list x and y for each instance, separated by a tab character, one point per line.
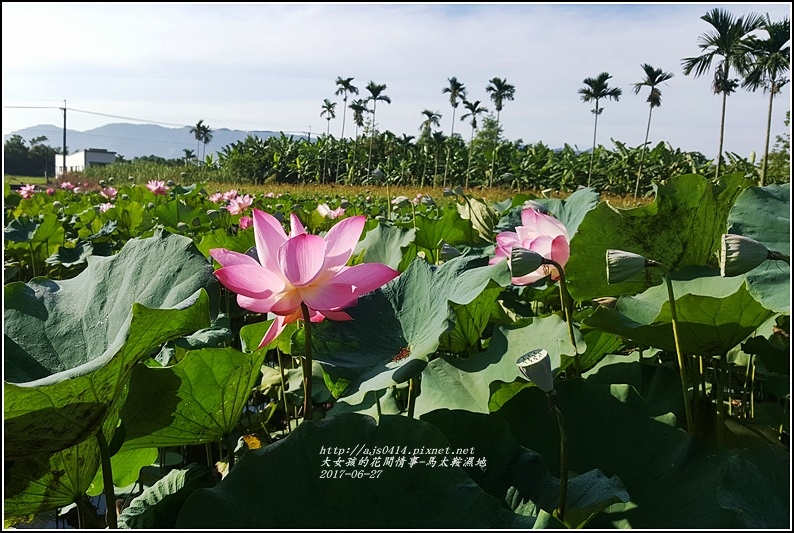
63	165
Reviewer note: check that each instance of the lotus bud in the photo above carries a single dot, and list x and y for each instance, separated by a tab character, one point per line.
622	266
739	254
448	252
523	261
537	206
536	367
401	201
427	200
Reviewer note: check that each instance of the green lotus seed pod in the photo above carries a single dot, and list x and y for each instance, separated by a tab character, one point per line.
536	367
739	254
622	266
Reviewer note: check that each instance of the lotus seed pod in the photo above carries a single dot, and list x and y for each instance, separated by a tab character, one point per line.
427	200
739	254
195	221
181	226
449	192
170	183
212	214
344	204
57	205
523	261
150	205
101	183
279	216
111	179
536	367
622	266
125	196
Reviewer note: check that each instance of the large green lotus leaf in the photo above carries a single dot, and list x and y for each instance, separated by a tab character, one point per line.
384	244
44	481
674	479
70	345
220	238
383	497
159	505
470	321
682	227
200	399
746	484
450	228
763	214
408	314
170	214
714	314
517	476
483	217
454	383
126	467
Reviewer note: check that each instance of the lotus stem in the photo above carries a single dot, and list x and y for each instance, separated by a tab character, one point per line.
555	407
679	355
377	403
284	390
107	480
306	363
413	387
564	301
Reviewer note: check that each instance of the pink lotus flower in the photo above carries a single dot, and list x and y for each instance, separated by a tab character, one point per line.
50	191
216	198
270	195
246	222
108	192
299	269
239	204
329	213
228	195
539	233
104	207
67	185
27	191
157	187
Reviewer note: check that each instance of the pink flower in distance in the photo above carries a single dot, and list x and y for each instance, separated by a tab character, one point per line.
246	222
539	233
50	191
329	213
104	207
216	198
108	192
67	185
157	187
228	195
239	204
299	268
27	191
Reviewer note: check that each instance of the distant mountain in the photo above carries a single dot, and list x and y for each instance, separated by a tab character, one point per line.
137	140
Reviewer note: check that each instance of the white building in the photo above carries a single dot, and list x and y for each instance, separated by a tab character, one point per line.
79	161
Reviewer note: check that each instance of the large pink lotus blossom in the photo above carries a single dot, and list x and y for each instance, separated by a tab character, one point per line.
108	192
239	204
299	269
157	187
539	233
27	191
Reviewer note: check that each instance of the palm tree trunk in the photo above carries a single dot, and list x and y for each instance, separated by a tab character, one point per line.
468	168
449	148
722	134
592	152
341	138
642	156
371	139
768	130
495	148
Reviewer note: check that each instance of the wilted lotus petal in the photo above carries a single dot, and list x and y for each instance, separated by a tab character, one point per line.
739	254
624	265
536	367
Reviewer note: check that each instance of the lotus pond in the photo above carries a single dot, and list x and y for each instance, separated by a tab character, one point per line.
214	359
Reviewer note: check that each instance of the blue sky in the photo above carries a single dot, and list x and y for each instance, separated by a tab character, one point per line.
269	67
